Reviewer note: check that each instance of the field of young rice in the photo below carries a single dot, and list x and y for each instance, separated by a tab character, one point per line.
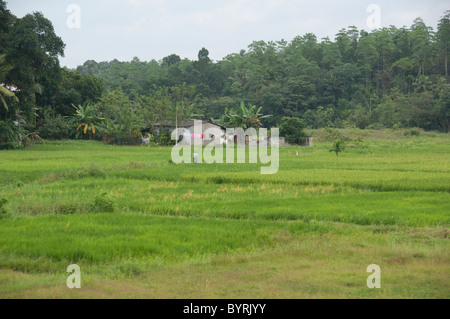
140	226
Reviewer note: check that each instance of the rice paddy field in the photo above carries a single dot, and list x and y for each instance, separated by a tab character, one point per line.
141	227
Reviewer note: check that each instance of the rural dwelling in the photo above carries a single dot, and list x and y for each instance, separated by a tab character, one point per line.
204	125
11	88
194	128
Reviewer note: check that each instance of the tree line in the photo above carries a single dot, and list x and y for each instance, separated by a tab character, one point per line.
387	78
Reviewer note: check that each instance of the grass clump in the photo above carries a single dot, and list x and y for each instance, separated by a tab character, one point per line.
104	203
3	211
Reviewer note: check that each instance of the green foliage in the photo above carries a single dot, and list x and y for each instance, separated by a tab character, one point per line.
387	78
337	147
172	59
87	121
126	117
320	117
67	209
104	204
76	89
33	48
122	118
413	132
5	94
292	130
10	132
331	134
243	117
164	138
54	127
3	211
10	146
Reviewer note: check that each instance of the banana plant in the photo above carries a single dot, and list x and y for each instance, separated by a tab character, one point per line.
87	120
244	117
4	91
252	116
10	132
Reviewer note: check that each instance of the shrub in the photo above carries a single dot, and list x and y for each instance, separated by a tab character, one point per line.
103	203
375	126
66	209
331	134
413	132
2	207
10	146
10	132
338	146
292	129
55	127
164	138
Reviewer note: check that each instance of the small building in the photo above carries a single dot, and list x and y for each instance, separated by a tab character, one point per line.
197	129
10	88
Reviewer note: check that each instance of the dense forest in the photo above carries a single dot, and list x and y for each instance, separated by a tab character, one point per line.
391	77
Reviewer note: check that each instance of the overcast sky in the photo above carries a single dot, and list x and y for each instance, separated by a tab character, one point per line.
153	29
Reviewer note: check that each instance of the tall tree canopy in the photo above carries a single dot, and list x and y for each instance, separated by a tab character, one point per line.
389	77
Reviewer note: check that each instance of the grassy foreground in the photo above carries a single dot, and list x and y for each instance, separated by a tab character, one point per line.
140	227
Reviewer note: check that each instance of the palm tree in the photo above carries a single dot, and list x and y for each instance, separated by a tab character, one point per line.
4	92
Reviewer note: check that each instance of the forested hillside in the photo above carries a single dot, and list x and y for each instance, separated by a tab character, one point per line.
391	77
388	78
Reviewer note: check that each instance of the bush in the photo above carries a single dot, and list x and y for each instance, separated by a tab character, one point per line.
163	139
2	207
413	132
329	134
10	146
10	132
67	209
102	203
55	128
375	126
337	147
292	129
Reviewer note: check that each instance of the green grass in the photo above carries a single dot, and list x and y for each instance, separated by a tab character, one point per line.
141	227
